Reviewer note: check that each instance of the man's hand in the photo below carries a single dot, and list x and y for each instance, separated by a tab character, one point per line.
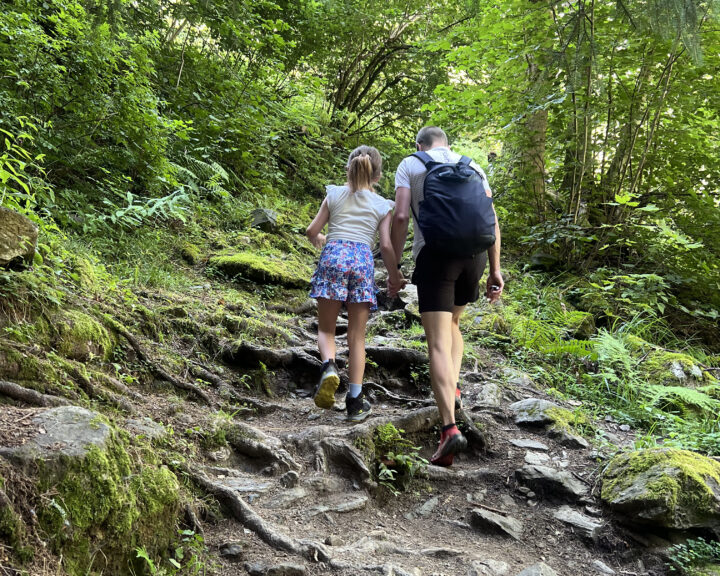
495	285
394	285
318	241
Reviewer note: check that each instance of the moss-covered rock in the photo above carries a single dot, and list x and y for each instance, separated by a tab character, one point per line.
579	325
98	498
81	336
675	368
190	253
264	269
664	487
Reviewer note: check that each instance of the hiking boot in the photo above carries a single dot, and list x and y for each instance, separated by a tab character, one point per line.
458	397
324	396
358	408
451	445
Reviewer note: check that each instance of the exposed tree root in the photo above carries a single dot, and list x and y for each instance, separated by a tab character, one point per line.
393	358
344	456
242	512
98	393
398	397
295	359
155	368
29	396
118	386
256	444
476	437
201	372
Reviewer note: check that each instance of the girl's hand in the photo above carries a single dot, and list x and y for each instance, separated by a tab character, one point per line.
394	285
318	241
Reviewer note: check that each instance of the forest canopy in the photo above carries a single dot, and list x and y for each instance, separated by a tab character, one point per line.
601	120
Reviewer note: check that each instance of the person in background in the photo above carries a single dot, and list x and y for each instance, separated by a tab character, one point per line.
345	273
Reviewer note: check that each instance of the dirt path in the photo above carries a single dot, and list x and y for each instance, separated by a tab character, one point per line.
319	498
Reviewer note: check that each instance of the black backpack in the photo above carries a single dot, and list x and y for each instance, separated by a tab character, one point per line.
456	216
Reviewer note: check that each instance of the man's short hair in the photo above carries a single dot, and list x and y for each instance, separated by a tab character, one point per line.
430	134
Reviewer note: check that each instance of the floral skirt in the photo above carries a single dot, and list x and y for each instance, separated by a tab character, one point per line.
345	272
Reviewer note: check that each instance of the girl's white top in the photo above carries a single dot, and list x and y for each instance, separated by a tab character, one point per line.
355	216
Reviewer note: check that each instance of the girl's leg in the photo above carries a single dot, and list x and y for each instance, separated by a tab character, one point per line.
358	314
328	311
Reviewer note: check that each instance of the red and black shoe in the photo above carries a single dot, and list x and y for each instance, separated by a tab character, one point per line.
451	442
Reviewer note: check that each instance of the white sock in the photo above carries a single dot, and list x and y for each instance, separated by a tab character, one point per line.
354	390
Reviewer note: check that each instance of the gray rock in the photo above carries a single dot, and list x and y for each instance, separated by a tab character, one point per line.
334	540
675	489
243	483
427	508
232	550
258	569
490	395
490	520
265	219
63	432
583	525
146	427
536	458
441	552
533	412
289	479
602	567
488	567
529	444
284	499
540	569
550	482
409	297
567	439
344	503
515	377
18	237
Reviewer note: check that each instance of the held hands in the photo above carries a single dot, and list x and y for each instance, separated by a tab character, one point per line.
395	283
495	285
318	241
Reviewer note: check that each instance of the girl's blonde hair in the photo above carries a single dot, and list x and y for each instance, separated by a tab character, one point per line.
363	168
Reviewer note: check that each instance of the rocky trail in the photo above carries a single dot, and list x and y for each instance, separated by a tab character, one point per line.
283	487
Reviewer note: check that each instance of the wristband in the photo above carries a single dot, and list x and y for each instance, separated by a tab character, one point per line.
399	265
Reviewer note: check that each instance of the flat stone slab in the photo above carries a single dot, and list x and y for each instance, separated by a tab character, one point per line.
529	444
345	504
537	458
533	412
244	483
505	524
585	526
551	482
66	431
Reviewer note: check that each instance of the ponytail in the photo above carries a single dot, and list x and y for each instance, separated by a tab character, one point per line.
364	168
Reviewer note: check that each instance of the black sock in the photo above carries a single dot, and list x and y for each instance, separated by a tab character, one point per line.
448	427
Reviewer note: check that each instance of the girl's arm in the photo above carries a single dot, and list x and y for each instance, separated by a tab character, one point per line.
314	231
396	281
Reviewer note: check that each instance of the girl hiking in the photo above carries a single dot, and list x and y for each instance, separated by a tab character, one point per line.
345	273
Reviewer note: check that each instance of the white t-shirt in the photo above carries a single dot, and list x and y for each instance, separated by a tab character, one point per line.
411	174
355	216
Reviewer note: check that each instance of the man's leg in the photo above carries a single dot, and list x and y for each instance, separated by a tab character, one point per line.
438	330
458	345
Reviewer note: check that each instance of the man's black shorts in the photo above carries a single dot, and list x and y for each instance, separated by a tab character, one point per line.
443	282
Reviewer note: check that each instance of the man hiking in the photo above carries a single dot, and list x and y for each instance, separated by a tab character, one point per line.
447	269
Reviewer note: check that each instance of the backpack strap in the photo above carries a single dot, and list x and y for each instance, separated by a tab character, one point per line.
424	157
465	160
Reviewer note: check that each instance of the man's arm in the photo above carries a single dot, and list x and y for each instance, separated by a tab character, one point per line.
495	283
400	221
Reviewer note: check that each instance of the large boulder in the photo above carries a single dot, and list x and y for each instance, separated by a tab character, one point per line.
97	498
18	237
664	487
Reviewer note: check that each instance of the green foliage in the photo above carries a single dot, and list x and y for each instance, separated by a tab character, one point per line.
190	557
398	460
691	557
